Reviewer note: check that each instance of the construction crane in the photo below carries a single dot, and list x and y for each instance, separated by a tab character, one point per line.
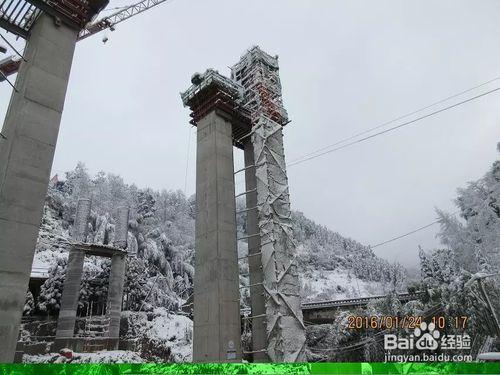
10	65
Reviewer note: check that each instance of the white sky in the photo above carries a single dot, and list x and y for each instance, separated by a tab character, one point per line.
345	66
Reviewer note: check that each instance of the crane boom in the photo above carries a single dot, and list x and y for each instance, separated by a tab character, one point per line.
120	16
10	65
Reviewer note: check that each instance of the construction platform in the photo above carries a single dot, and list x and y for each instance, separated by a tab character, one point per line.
212	91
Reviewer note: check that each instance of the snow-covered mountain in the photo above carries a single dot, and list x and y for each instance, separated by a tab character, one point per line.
160	278
161	231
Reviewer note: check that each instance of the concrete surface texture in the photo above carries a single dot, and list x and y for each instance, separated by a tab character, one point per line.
217	327
257	300
115	293
74	271
31	127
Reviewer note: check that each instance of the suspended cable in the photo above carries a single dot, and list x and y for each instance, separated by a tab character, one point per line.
396	119
409	233
394	127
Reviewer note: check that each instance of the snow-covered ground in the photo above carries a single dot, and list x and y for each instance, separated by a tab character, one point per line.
177	330
164	329
318	285
112	356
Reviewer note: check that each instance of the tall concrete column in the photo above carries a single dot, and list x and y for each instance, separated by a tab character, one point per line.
257	299
31	127
115	294
74	270
117	278
217	323
69	299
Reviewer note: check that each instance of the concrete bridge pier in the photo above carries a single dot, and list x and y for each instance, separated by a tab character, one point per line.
257	299
71	289
217	327
31	127
117	278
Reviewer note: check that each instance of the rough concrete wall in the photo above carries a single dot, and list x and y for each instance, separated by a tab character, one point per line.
286	339
31	127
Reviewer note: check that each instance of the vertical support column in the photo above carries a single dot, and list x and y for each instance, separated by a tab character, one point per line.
117	278
31	127
257	299
74	270
286	341
217	323
115	293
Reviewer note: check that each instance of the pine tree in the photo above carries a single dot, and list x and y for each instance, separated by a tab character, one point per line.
425	266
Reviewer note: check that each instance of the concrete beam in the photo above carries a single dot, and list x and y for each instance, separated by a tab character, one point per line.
31	127
217	323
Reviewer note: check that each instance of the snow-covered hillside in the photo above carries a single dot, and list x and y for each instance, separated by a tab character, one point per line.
159	280
161	231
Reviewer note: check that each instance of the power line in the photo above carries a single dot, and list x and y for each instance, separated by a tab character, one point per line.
409	233
394	127
397	119
406	234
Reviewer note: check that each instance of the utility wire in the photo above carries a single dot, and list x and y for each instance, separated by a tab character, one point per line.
409	233
394	127
406	234
397	119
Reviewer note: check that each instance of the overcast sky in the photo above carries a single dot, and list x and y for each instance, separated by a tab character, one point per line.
345	66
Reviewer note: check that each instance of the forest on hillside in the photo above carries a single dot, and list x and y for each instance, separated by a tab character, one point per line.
161	234
159	276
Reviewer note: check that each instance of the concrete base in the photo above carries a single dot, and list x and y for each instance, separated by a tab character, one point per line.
217	323
31	128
